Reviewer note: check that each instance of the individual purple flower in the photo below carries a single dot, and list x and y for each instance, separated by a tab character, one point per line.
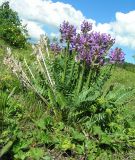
55	48
67	31
117	55
86	26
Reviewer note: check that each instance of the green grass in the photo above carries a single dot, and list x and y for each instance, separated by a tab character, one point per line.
34	109
123	76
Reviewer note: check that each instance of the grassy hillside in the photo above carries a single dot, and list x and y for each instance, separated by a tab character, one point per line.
125	75
30	112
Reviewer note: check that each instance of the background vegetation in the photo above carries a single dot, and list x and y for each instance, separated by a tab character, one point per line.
11	28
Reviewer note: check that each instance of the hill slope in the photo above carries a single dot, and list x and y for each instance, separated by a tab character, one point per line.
31	108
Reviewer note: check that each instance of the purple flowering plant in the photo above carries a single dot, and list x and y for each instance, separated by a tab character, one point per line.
117	55
67	31
55	47
86	27
87	49
90	49
82	68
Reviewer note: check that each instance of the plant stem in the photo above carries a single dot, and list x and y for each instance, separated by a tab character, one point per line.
88	79
66	61
81	78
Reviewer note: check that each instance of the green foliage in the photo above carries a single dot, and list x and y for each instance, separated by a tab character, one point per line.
3	105
46	136
11	28
67	111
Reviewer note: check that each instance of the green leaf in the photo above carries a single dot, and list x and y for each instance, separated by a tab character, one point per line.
106	139
97	130
78	136
6	148
36	153
66	144
61	99
80	149
40	123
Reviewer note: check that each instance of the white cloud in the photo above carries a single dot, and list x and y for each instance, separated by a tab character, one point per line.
55	35
103	27
35	30
123	29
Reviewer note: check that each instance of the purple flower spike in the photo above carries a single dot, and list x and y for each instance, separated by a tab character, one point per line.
86	27
117	56
55	48
67	31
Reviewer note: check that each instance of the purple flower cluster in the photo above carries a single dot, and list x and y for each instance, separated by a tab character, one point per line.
55	48
86	27
67	31
92	47
117	55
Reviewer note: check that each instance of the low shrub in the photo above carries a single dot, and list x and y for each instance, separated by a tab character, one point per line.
11	28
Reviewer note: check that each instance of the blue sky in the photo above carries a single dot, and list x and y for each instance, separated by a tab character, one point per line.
115	17
101	10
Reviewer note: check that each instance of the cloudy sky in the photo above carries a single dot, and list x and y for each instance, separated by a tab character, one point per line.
116	17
